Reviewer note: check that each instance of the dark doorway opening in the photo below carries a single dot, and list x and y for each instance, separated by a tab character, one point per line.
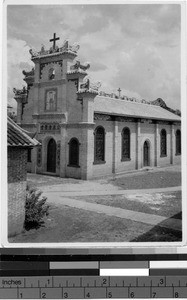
51	156
146	154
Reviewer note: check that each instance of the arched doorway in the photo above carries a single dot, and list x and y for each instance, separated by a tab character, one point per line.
146	154
51	156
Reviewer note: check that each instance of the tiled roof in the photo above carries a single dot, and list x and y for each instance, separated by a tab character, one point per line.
107	105
17	137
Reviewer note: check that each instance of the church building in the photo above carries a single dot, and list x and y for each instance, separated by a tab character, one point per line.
86	133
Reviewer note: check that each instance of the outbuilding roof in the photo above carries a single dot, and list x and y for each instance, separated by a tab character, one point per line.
17	137
107	105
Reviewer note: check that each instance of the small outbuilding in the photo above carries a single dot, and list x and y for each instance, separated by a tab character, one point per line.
19	144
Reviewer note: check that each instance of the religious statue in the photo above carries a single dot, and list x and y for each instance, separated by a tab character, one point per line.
50	104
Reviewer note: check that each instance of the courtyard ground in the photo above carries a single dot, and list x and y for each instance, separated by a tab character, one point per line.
139	206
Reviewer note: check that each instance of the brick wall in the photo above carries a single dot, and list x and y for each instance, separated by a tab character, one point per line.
17	164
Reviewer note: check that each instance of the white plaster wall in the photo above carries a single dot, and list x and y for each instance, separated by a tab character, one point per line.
74	106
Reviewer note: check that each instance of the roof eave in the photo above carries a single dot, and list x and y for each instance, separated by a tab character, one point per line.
135	116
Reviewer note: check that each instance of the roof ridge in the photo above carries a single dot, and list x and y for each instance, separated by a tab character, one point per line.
129	108
20	130
117	99
134	102
18	135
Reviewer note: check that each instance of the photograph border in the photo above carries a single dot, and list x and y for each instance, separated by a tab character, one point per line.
94	248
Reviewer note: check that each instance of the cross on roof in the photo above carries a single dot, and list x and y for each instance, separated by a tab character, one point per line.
54	40
119	90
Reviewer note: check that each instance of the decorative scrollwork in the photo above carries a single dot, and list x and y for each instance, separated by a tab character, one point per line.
75	47
80	66
33	52
101	117
64	48
90	86
49	127
19	92
28	73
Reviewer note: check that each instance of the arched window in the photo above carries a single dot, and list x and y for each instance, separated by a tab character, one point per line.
99	151
178	142
51	74
163	143
125	149
74	152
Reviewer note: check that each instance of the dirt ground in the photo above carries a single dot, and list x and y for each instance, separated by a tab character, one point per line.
69	224
66	225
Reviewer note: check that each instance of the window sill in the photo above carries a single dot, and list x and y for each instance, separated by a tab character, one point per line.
74	166
125	159
163	155
177	154
99	162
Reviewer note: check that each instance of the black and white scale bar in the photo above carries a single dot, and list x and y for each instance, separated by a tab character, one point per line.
85	256
53	272
74	272
74	268
168	272
168	268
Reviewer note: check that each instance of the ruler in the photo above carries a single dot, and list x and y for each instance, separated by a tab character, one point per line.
92	277
93	287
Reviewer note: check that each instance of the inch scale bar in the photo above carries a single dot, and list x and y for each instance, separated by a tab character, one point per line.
80	277
93	287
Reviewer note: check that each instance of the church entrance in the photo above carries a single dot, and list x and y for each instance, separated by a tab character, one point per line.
146	154
51	156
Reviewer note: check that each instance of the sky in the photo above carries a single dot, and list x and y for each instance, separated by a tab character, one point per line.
132	46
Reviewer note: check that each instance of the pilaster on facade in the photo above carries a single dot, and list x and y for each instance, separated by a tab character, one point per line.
172	144
87	98
37	72
115	146
63	151
87	154
138	144
156	145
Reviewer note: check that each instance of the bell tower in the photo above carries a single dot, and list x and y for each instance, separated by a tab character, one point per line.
57	106
49	95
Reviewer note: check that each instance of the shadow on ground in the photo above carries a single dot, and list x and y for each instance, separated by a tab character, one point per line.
159	233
